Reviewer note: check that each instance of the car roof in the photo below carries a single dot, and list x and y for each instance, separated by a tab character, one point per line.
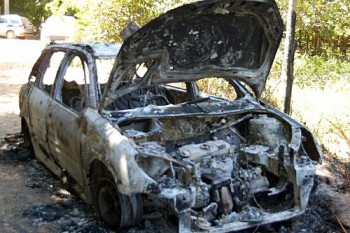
15	16
11	16
97	49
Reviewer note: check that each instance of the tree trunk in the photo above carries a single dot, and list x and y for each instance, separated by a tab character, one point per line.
288	59
6	7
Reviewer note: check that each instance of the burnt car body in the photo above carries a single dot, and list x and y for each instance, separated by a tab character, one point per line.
154	132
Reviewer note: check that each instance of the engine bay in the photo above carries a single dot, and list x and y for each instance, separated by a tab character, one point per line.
238	167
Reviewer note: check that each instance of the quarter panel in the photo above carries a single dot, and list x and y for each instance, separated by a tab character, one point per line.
101	141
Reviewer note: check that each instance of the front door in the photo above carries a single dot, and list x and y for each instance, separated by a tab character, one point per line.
64	112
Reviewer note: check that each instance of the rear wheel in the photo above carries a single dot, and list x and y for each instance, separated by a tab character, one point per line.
10	35
114	208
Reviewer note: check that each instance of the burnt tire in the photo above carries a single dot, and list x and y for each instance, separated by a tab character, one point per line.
115	209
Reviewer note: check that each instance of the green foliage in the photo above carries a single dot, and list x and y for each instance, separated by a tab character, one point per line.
59	7
34	10
218	87
318	71
109	18
323	26
104	20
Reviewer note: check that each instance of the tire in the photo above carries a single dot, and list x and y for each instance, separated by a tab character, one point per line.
115	209
10	35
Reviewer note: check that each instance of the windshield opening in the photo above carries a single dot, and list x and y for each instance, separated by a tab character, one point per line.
176	93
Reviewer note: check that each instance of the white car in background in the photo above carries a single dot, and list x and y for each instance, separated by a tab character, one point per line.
58	28
13	26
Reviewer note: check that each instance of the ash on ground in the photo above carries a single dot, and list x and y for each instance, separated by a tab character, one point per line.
70	214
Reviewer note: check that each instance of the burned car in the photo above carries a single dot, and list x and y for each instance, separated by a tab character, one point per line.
176	120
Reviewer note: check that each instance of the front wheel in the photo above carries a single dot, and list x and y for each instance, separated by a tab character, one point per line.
114	208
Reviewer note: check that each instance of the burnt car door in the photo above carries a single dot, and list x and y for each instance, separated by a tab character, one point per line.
64	112
40	98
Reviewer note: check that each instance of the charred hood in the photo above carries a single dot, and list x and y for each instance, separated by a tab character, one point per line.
234	39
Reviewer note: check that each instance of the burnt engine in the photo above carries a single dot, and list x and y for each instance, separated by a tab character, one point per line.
231	172
226	182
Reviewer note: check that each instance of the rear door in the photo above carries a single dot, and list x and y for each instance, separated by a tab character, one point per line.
41	97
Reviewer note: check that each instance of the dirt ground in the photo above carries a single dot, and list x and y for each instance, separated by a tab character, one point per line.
32	200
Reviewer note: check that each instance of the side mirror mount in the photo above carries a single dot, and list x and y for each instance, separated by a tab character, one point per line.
129	30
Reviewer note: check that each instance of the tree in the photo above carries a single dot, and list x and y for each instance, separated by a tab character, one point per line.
32	9
103	20
322	26
288	59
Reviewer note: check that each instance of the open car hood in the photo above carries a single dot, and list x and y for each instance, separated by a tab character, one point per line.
234	39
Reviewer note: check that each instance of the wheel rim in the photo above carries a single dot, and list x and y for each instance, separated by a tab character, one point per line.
10	35
108	203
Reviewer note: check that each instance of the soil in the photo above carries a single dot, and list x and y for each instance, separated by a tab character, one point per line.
33	200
